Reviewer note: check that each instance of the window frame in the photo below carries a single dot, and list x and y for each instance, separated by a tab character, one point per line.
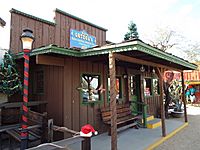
120	88
99	84
152	90
35	83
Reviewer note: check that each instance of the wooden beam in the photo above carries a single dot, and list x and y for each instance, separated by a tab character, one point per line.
162	110
49	60
183	97
142	62
113	102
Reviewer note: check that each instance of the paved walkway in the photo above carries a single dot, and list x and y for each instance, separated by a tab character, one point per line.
189	138
132	139
141	139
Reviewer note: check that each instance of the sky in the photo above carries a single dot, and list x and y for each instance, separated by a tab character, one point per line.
182	16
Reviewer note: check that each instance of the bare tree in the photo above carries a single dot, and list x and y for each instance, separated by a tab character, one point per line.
165	38
192	51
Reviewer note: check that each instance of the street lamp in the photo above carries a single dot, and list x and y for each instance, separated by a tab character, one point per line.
27	39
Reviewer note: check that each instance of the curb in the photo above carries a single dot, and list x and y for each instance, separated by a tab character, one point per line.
161	140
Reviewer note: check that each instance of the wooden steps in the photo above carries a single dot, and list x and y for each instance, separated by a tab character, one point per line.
152	122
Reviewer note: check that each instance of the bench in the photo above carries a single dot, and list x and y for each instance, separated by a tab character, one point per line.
37	125
124	117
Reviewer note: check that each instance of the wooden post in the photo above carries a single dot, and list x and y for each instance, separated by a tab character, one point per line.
86	143
183	97
142	88
50	130
144	113
162	110
113	102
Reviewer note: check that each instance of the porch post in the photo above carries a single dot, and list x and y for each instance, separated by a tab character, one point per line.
113	102
183	97
162	110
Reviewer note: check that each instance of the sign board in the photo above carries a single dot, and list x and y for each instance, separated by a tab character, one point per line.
81	39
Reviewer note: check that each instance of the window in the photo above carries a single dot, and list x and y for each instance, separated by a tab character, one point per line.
151	86
118	88
147	87
132	85
90	88
39	82
155	86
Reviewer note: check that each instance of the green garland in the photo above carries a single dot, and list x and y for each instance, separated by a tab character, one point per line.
9	77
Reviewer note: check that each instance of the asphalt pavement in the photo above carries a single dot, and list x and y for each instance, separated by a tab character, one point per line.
189	137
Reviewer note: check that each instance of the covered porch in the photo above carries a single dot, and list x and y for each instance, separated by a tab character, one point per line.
133	58
129	138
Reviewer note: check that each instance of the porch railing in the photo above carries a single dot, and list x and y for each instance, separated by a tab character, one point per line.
140	109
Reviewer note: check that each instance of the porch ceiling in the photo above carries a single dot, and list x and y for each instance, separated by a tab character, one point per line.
135	49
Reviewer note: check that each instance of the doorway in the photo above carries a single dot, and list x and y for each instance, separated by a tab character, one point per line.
135	93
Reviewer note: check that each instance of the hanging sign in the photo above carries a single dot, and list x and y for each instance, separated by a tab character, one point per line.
81	39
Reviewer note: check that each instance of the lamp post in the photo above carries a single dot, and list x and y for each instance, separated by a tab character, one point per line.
27	39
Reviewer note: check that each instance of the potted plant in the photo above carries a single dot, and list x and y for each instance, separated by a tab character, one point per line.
175	94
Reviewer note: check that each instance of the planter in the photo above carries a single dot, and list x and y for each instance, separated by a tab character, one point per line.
3	98
177	114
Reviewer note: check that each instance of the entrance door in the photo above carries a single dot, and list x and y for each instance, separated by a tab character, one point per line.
135	93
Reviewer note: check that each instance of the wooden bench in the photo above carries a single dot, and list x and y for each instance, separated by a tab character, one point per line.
124	117
37	127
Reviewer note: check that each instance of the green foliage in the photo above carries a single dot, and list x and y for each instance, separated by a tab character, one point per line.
132	32
9	77
175	94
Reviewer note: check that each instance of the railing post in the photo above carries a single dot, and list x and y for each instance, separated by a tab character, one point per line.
86	143
144	114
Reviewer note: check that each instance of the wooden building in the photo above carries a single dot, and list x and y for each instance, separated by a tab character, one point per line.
62	74
192	78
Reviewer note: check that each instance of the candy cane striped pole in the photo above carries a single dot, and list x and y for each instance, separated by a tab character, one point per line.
24	132
27	39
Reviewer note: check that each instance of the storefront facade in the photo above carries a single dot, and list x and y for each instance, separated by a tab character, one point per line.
70	68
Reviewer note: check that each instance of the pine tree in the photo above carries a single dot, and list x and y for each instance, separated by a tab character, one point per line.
132	33
9	77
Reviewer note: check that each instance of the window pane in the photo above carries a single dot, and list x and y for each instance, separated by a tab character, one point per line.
39	82
132	85
90	85
155	86
147	87
117	88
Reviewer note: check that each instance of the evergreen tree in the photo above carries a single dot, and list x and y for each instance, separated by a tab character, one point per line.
132	33
9	77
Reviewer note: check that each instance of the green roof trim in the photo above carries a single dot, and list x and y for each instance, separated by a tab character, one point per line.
122	47
163	55
82	20
31	16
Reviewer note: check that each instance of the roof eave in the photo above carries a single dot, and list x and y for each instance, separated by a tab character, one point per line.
122	47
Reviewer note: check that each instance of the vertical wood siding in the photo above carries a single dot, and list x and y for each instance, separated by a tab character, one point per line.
64	101
43	32
153	102
46	33
65	23
75	113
